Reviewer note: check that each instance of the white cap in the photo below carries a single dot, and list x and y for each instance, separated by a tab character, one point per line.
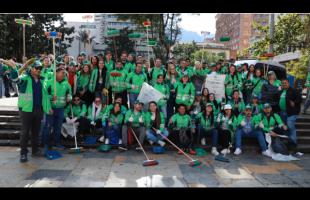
227	106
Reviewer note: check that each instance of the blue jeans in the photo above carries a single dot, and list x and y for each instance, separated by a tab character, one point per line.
163	109
115	129
214	135
307	102
53	121
1	84
151	135
290	121
258	133
132	98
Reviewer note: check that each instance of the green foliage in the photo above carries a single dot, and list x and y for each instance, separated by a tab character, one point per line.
299	68
184	50
206	56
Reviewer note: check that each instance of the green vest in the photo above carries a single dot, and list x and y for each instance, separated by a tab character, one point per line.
114	119
118	83
83	81
155	71
109	65
130	67
78	110
93	80
149	122
241	105
63	89
204	122
135	116
308	81
137	80
231	83
274	120
185	94
257	84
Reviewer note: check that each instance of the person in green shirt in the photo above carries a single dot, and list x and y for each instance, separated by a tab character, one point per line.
185	92
130	64
171	79
83	84
182	69
134	83
59	99
206	121
155	124
183	130
258	82
113	123
216	104
165	90
237	103
307	102
155	71
47	71
109	63
95	112
232	81
256	107
135	120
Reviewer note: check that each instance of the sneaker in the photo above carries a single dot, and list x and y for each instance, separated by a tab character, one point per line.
120	141
138	148
151	142
15	95
203	141
161	143
267	153
23	158
37	154
214	151
238	151
101	139
192	152
107	141
225	151
123	148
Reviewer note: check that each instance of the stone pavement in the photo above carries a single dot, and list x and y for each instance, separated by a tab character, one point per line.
124	169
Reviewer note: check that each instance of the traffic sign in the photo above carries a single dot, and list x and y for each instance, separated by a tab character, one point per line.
224	39
24	21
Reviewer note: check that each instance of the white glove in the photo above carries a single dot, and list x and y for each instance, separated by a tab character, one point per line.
92	123
158	132
141	120
218	119
153	117
130	119
242	123
68	120
229	122
261	125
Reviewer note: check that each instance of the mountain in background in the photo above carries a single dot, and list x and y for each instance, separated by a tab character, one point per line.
189	36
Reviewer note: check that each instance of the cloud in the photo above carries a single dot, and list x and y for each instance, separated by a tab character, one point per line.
197	23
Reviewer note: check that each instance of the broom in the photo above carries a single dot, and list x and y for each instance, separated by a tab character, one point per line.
147	162
76	149
192	162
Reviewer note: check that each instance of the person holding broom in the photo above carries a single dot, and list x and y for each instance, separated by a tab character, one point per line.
33	102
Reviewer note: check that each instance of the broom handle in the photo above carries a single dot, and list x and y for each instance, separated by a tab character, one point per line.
134	134
73	127
173	144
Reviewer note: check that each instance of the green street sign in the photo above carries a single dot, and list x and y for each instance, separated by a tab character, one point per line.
24	21
152	43
134	35
113	33
224	39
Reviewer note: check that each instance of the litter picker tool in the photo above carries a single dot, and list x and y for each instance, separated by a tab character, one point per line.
148	162
192	162
76	149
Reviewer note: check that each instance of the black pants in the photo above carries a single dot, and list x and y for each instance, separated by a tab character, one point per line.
31	121
184	138
123	95
83	126
6	82
87	98
224	137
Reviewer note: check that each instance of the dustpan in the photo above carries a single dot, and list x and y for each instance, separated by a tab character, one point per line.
52	155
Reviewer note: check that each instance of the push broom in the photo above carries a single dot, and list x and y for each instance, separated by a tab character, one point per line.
192	162
76	149
147	162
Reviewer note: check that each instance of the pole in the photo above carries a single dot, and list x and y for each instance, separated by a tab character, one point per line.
271	31
147	41
54	66
24	40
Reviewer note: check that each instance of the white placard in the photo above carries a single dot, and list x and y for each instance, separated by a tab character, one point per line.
148	93
215	84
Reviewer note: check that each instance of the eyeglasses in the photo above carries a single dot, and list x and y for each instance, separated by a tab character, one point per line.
38	68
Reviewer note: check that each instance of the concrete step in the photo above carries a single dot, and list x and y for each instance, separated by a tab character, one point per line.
304	148
9	112
303	132
302	125
9	134
303	140
10	118
10	125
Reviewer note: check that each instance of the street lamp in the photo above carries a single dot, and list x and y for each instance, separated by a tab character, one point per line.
24	22
147	24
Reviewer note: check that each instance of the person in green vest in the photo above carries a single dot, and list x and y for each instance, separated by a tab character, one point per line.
185	92
247	87
135	120
206	120
130	63
155	124
110	107
123	59
171	79
118	84
224	69
47	71
216	104
188	65
134	83
240	73
256	107
72	76
258	82
94	62
232	81
83	84
95	112
33	102
199	76
213	70
113	121
165	90
226	124
155	71
182	69
183	130
59	99
77	116
307	102
109	63
237	103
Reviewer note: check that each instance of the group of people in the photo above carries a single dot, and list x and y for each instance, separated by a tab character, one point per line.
100	95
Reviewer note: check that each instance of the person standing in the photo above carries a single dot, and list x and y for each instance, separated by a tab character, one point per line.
271	91
33	101
307	102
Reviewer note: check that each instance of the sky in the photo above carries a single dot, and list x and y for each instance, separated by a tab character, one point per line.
191	22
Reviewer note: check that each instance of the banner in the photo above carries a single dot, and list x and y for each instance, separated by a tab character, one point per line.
215	84
148	93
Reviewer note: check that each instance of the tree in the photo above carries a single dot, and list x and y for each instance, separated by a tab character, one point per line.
165	29
206	56
120	43
184	50
11	40
84	37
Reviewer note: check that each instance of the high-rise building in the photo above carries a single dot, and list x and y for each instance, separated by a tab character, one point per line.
261	19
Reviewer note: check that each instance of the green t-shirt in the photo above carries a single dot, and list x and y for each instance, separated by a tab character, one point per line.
282	102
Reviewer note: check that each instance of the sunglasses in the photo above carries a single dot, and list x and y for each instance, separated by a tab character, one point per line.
38	68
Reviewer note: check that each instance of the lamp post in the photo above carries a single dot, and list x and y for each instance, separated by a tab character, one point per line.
147	24
24	22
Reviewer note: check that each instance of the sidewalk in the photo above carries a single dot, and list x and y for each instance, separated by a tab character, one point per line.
116	169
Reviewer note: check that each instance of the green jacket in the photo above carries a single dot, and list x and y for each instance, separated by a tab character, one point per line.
206	123
118	83
181	121
155	71
110	107
241	105
25	98
185	94
135	116
137	80
231	83
308	81
274	120
83	81
47	73
93	79
259	107
63	89
78	110
187	71
109	65
165	90
91	115
241	118
230	124
130	66
150	123
200	72
257	85
115	119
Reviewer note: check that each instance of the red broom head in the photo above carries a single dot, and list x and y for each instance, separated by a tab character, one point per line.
147	163
115	74
194	163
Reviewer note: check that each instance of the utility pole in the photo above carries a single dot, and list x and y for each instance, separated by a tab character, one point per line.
271	31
